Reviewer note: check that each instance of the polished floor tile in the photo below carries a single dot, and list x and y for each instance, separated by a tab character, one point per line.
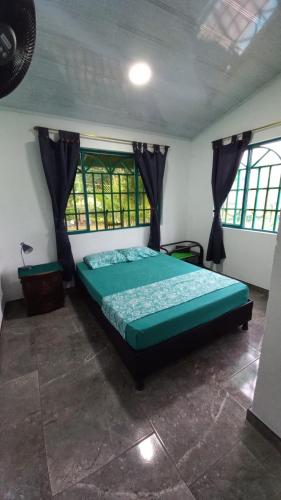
225	357
19	398
67	401
17	349
255	333
213	364
143	472
267	452
199	428
90	416
242	385
63	348
237	476
23	468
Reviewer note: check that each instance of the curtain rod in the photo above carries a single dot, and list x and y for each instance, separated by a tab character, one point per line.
101	137
257	129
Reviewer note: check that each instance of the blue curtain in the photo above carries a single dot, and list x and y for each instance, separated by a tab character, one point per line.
226	160
151	165
60	160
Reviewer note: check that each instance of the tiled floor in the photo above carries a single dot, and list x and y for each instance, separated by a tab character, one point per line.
73	427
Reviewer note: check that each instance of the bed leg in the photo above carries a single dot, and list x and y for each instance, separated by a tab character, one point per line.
139	385
245	326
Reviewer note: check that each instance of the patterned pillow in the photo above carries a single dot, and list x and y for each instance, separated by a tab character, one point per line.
137	253
104	259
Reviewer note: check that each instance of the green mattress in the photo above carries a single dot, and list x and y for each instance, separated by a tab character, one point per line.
162	325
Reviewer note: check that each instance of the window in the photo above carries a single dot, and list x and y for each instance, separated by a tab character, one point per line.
108	194
254	201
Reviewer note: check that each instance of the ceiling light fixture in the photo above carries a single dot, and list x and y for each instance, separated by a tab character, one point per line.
140	73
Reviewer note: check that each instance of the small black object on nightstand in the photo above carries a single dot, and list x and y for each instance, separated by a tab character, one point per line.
42	287
188	251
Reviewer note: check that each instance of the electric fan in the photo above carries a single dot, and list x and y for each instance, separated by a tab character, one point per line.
17	42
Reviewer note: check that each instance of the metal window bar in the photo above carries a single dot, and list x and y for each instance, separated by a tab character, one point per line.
132	212
275	228
266	197
95	201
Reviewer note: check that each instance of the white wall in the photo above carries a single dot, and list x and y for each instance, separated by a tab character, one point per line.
267	398
25	205
249	253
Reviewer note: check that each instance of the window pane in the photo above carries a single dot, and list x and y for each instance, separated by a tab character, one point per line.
76	223
275	176
249	218
223	215
239	199
78	183
115	183
147	216
258	156
132	218
242	177
231	199
92	221
141	201
251	199
117	219
261	199
106	183
101	224
272	196
124	201
91	202
70	205
98	183
109	219
131	181
126	219
238	216
89	183
108	202
80	203
132	202
277	222
116	202
258	219
140	184
146	203
253	178
123	181
264	172
71	222
270	158
99	202
229	217
269	221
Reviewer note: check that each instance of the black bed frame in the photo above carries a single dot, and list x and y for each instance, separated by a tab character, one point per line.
142	362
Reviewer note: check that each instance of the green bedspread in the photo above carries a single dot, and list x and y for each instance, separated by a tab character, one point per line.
161	325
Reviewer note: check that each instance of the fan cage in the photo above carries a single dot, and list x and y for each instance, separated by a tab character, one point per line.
20	15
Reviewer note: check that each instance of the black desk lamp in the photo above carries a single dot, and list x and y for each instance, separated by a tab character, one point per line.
25	249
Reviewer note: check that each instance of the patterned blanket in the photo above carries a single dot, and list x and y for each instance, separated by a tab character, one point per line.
124	307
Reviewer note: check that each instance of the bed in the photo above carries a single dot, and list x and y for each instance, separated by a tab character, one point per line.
155	339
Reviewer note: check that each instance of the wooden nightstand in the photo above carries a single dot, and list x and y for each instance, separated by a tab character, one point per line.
42	287
188	251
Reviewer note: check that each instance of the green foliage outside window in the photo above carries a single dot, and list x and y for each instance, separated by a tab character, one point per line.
254	201
108	194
